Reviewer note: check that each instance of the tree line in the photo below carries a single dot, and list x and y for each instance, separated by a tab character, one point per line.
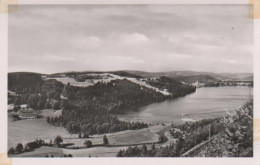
31	146
89	121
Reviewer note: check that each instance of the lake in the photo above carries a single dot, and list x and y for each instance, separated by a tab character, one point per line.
204	103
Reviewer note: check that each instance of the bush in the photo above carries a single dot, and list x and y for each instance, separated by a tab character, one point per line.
162	139
58	140
120	153
105	140
88	143
56	105
19	148
11	151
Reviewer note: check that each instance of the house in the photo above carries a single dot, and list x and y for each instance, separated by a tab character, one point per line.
198	84
11	93
143	79
26	113
23	106
10	107
44	77
153	79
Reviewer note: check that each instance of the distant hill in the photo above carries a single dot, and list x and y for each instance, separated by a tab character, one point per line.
192	76
74	73
249	78
238	76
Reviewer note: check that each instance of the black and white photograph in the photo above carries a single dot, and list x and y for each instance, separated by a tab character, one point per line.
130	80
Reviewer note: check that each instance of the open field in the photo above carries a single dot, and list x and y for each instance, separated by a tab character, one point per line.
128	137
24	131
42	151
50	113
123	139
94	152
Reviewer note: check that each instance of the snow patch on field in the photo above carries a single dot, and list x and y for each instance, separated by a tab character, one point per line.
107	77
188	120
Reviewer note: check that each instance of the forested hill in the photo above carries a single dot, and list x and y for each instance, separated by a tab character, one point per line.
115	96
124	91
193	76
25	82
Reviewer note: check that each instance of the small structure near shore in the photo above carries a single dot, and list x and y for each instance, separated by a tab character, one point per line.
27	114
10	107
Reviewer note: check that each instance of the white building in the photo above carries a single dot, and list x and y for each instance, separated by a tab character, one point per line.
10	107
198	84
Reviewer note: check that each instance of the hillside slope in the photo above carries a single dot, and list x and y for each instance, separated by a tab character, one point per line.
236	139
24	82
194	78
230	136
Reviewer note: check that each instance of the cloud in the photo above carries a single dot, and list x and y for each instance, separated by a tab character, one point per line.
49	57
128	59
145	37
86	42
134	38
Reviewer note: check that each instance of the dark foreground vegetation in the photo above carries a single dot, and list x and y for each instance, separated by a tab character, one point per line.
230	136
187	136
236	137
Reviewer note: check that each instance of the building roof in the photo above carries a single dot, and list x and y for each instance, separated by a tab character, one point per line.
10	107
23	105
26	111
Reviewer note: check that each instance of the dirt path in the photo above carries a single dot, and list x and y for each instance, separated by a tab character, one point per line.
160	133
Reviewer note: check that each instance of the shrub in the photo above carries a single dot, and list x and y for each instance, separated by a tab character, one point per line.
11	151
19	148
88	143
58	140
105	140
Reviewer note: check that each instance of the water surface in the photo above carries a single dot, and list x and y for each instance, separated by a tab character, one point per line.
204	103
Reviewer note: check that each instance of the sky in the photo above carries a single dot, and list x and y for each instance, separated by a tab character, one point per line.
155	38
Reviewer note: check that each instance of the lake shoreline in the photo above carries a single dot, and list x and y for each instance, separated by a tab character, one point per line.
208	102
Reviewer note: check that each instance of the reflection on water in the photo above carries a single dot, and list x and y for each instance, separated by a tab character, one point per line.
204	103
